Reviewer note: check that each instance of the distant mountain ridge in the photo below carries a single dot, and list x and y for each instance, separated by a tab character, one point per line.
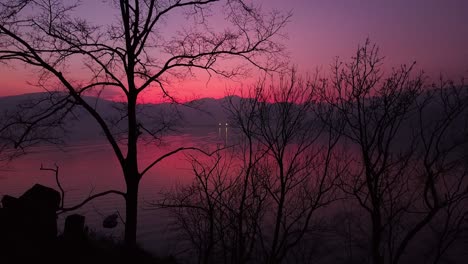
186	117
204	112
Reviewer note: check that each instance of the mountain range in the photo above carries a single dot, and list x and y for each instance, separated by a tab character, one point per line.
189	116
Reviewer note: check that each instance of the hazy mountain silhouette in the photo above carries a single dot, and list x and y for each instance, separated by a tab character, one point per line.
190	117
200	113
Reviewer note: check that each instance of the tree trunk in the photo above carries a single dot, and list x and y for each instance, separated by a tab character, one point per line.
377	258
132	176
131	206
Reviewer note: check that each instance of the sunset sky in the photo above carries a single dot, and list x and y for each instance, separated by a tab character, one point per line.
434	33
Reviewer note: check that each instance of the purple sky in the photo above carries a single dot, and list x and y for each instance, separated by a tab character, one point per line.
432	32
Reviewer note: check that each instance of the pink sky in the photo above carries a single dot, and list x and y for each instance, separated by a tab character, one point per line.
433	33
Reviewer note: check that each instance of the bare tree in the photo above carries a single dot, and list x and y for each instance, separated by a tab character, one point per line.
287	171
206	211
131	55
408	144
449	229
300	167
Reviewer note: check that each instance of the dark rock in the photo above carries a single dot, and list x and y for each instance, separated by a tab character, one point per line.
38	213
9	201
41	196
3	215
74	227
28	225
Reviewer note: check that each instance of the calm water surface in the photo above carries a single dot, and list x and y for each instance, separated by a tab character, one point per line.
91	167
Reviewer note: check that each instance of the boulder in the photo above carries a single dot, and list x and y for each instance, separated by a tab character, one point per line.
43	197
74	227
9	201
38	207
31	218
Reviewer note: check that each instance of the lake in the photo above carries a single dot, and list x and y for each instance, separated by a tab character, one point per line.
90	167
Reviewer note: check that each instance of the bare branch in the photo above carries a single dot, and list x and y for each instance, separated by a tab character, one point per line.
89	199
168	154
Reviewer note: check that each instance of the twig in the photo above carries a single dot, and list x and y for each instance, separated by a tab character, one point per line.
56	171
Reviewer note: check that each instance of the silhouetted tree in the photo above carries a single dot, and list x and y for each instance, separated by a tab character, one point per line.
130	54
407	143
299	167
286	171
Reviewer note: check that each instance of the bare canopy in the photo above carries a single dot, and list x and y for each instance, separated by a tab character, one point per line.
134	52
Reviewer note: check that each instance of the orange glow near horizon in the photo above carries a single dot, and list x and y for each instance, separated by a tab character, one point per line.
21	80
432	33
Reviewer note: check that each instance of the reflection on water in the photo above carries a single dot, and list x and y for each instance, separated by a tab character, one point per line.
91	167
223	133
